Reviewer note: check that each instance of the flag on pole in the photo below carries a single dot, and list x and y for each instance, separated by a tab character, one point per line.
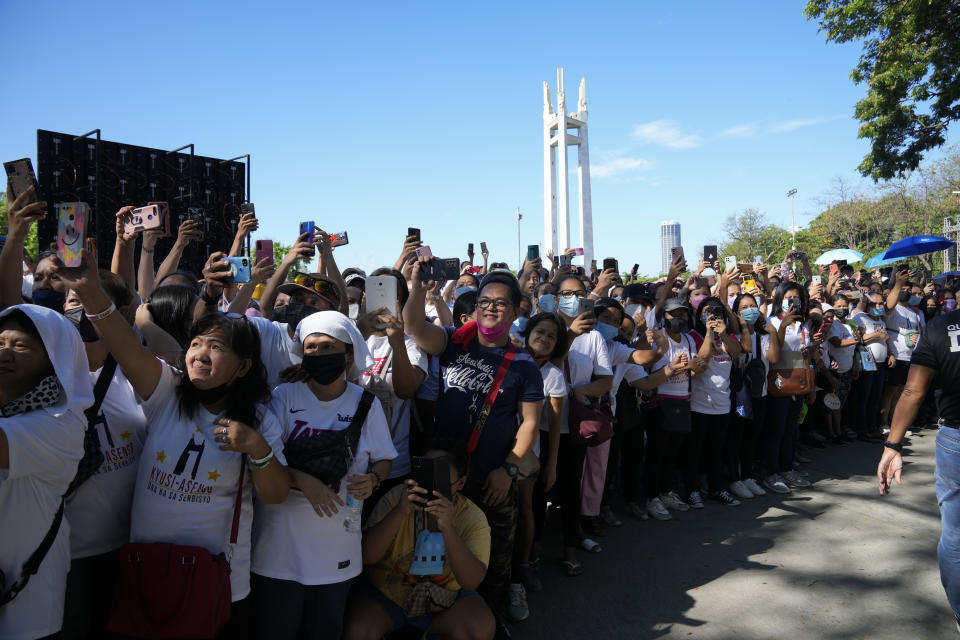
519	215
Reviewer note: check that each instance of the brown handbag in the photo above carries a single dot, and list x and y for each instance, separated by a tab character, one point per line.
791	376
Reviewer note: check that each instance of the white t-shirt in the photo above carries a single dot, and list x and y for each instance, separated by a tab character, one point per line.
290	541
187	487
399	422
678	385
871	324
44	452
555	386
594	347
900	322
843	355
710	391
796	336
625	371
99	510
278	350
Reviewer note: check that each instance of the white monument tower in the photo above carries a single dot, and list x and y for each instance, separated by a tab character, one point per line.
558	133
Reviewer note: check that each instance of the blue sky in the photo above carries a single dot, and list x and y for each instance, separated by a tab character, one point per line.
372	117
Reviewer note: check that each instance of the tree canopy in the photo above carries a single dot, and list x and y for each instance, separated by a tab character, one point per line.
909	62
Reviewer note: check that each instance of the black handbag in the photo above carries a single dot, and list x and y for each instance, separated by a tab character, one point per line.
755	373
327	455
92	453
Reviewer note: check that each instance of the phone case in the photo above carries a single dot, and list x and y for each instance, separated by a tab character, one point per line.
413	231
308	227
533	252
71	221
424	251
247	207
264	248
730	261
240	270
381	291
142	219
339	239
21	176
586	305
164	216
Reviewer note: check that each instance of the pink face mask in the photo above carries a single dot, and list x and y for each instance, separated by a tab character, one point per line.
730	300
950	304
492	334
696	300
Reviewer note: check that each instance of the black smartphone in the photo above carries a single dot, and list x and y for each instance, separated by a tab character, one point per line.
198	215
247	207
710	253
636	268
433	474
483	247
413	231
611	263
470	249
533	252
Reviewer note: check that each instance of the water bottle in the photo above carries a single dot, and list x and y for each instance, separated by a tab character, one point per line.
354	511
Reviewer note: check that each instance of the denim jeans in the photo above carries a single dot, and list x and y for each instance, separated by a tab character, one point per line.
947	476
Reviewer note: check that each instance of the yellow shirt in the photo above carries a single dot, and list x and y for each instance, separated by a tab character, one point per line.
389	575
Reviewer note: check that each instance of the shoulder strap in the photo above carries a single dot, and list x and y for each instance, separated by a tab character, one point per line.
238	503
32	565
359	417
491	397
100	390
566	369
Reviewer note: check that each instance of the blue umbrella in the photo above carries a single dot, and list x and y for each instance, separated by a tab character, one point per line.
878	261
917	245
849	255
946	275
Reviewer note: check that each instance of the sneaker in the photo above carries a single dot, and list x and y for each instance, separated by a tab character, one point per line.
794	479
609	517
754	487
696	500
637	511
530	576
726	498
740	490
776	484
672	501
657	511
517	610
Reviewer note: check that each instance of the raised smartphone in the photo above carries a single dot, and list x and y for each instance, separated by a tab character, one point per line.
815	280
165	216
239	270
483	247
142	219
339	239
247	207
710	253
578	251
413	231
533	252
381	291
565	259
676	253
264	248
586	305
71	221
197	214
433	474
611	263
749	284
730	262
21	177
424	251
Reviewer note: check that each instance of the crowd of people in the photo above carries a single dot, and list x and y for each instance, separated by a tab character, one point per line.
186	456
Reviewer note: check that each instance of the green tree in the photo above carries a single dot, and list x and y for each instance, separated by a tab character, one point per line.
31	241
909	62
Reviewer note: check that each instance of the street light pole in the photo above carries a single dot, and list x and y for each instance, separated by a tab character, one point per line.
793	216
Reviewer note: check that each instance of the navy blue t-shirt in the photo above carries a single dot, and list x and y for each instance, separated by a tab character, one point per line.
467	377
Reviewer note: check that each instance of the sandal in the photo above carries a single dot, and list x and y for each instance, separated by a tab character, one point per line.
572	567
590	546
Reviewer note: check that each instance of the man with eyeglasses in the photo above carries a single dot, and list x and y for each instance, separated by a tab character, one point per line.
479	364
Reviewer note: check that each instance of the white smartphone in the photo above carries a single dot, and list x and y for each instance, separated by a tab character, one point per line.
381	291
730	262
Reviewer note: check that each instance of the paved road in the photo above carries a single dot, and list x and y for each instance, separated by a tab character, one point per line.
834	561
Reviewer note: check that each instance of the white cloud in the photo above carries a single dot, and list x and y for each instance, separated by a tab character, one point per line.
666	133
619	166
799	123
745	130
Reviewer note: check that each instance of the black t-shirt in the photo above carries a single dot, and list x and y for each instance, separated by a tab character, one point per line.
466	376
939	349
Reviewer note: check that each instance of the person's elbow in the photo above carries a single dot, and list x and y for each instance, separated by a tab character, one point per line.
604	384
276	490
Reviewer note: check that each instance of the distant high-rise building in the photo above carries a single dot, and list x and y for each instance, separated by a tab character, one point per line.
669	238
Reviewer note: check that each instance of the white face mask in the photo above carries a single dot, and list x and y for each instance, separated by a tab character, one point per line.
353	311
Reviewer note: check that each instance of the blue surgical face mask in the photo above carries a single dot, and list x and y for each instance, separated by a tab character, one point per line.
547	303
462	290
608	331
750	315
914	300
876	312
569	306
790	303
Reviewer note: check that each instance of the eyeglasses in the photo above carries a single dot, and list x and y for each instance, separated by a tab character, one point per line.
580	293
499	304
322	287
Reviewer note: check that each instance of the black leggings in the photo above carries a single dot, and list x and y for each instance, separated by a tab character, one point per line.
569	473
742	452
659	473
703	450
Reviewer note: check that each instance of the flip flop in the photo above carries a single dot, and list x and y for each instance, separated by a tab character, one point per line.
590	545
572	567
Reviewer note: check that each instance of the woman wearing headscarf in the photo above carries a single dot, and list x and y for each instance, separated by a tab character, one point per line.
307	550
44	389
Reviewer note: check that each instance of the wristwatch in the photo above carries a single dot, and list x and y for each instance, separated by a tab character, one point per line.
896	446
512	470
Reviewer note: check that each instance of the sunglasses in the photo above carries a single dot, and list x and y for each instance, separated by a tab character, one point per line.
322	287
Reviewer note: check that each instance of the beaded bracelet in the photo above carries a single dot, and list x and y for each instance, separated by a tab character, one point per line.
262	463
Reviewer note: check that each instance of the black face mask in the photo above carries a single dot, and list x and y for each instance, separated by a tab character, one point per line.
841	313
905	296
325	368
79	319
295	312
676	325
50	299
